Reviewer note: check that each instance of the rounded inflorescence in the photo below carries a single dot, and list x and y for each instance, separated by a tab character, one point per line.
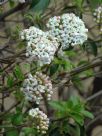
41	47
68	29
36	87
32	34
98	16
41	122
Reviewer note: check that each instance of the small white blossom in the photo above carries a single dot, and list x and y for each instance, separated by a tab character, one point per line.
41	47
22	1
68	29
41	122
36	86
98	16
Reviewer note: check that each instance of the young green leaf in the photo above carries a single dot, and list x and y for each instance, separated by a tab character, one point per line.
57	105
10	81
39	5
12	132
17	119
88	114
78	118
18	73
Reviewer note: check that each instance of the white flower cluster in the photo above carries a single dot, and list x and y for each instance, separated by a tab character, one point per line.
3	1
36	86
40	46
22	1
98	16
68	29
41	121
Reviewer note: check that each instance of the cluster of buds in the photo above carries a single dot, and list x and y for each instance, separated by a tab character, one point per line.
41	122
41	47
68	29
98	16
36	87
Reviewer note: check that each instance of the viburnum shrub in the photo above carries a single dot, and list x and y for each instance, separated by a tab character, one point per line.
41	48
47	57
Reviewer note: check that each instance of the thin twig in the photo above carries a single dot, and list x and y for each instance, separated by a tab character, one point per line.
94	96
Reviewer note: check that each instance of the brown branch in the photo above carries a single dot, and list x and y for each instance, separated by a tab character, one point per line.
65	78
13	10
68	76
94	96
14	127
13	106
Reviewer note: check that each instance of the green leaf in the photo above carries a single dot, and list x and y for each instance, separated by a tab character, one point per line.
33	3
11	132
79	3
17	119
73	108
78	118
19	95
70	53
68	65
87	114
83	62
95	3
11	3
69	104
77	130
94	48
10	81
73	130
21	45
57	105
88	72
29	17
40	6
59	61
18	73
55	132
91	47
54	69
27	131
74	100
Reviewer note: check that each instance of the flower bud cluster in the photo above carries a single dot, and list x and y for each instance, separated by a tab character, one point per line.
40	46
68	29
41	122
34	87
98	16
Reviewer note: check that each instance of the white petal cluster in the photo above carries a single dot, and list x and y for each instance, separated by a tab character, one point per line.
36	86
68	29
3	1
41	121
40	46
22	1
98	16
32	34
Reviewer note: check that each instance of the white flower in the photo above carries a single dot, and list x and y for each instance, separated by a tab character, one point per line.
41	47
68	29
41	122
98	16
22	1
34	86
